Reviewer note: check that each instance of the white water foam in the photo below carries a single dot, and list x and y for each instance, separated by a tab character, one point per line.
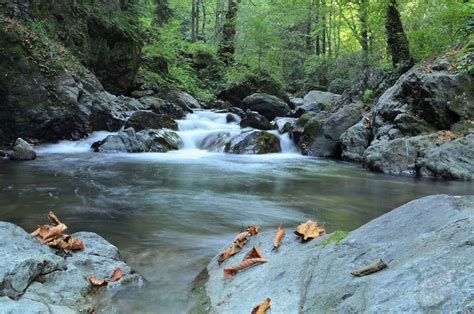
193	130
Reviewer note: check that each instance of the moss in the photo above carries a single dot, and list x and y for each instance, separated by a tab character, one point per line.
303	119
335	237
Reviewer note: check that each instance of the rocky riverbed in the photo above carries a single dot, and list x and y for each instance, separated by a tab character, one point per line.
427	245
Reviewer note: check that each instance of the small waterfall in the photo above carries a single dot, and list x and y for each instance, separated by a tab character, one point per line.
210	130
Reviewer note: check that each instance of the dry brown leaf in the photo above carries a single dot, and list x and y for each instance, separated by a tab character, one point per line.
253	253
93	280
309	230
232	270
262	307
242	238
230	251
116	275
253	230
49	233
53	219
278	236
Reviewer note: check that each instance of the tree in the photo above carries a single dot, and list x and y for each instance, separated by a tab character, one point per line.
227	44
397	40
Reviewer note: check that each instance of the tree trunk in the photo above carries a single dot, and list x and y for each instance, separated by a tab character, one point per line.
323	25
318	41
397	40
193	20
227	45
204	17
198	6
364	33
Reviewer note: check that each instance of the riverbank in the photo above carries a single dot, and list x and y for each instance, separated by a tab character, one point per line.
427	245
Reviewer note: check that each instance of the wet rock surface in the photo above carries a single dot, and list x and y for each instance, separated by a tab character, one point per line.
22	151
254	142
428	270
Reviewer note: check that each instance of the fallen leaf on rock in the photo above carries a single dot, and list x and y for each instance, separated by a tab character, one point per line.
230	251
117	274
253	253
309	230
242	238
262	307
279	235
52	235
53	219
93	280
253	230
232	270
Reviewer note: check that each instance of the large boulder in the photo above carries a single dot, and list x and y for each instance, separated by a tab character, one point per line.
451	160
427	245
34	279
422	101
254	142
22	151
156	141
255	120
258	83
398	156
47	95
160	106
355	141
180	98
267	105
321	137
142	120
315	102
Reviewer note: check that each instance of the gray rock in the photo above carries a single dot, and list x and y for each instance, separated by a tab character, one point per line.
451	160
267	105
160	141
254	142
40	281
141	120
160	106
441	65
255	120
142	93
286	125
398	156
322	137
355	141
429	269
22	151
421	102
316	101
182	99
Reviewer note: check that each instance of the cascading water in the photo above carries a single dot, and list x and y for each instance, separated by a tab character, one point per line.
209	130
200	131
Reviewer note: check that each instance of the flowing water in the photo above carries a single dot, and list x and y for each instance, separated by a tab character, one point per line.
170	213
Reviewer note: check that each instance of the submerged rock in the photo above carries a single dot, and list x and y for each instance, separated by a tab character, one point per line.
267	105
254	142
425	270
157	141
141	120
22	151
34	279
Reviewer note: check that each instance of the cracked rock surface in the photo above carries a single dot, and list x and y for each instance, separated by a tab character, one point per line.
428	245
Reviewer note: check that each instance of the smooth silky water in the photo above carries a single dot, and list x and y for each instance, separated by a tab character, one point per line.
169	214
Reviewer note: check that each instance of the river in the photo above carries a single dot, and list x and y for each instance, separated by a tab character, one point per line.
170	213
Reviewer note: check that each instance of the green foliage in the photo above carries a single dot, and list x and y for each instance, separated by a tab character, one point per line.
126	21
335	237
303	119
368	96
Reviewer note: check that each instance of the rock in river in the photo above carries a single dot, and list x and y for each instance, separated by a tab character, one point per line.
141	120
427	245
34	279
254	142
157	141
22	151
267	105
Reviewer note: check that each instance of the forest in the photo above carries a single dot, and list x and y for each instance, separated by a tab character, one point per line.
236	156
